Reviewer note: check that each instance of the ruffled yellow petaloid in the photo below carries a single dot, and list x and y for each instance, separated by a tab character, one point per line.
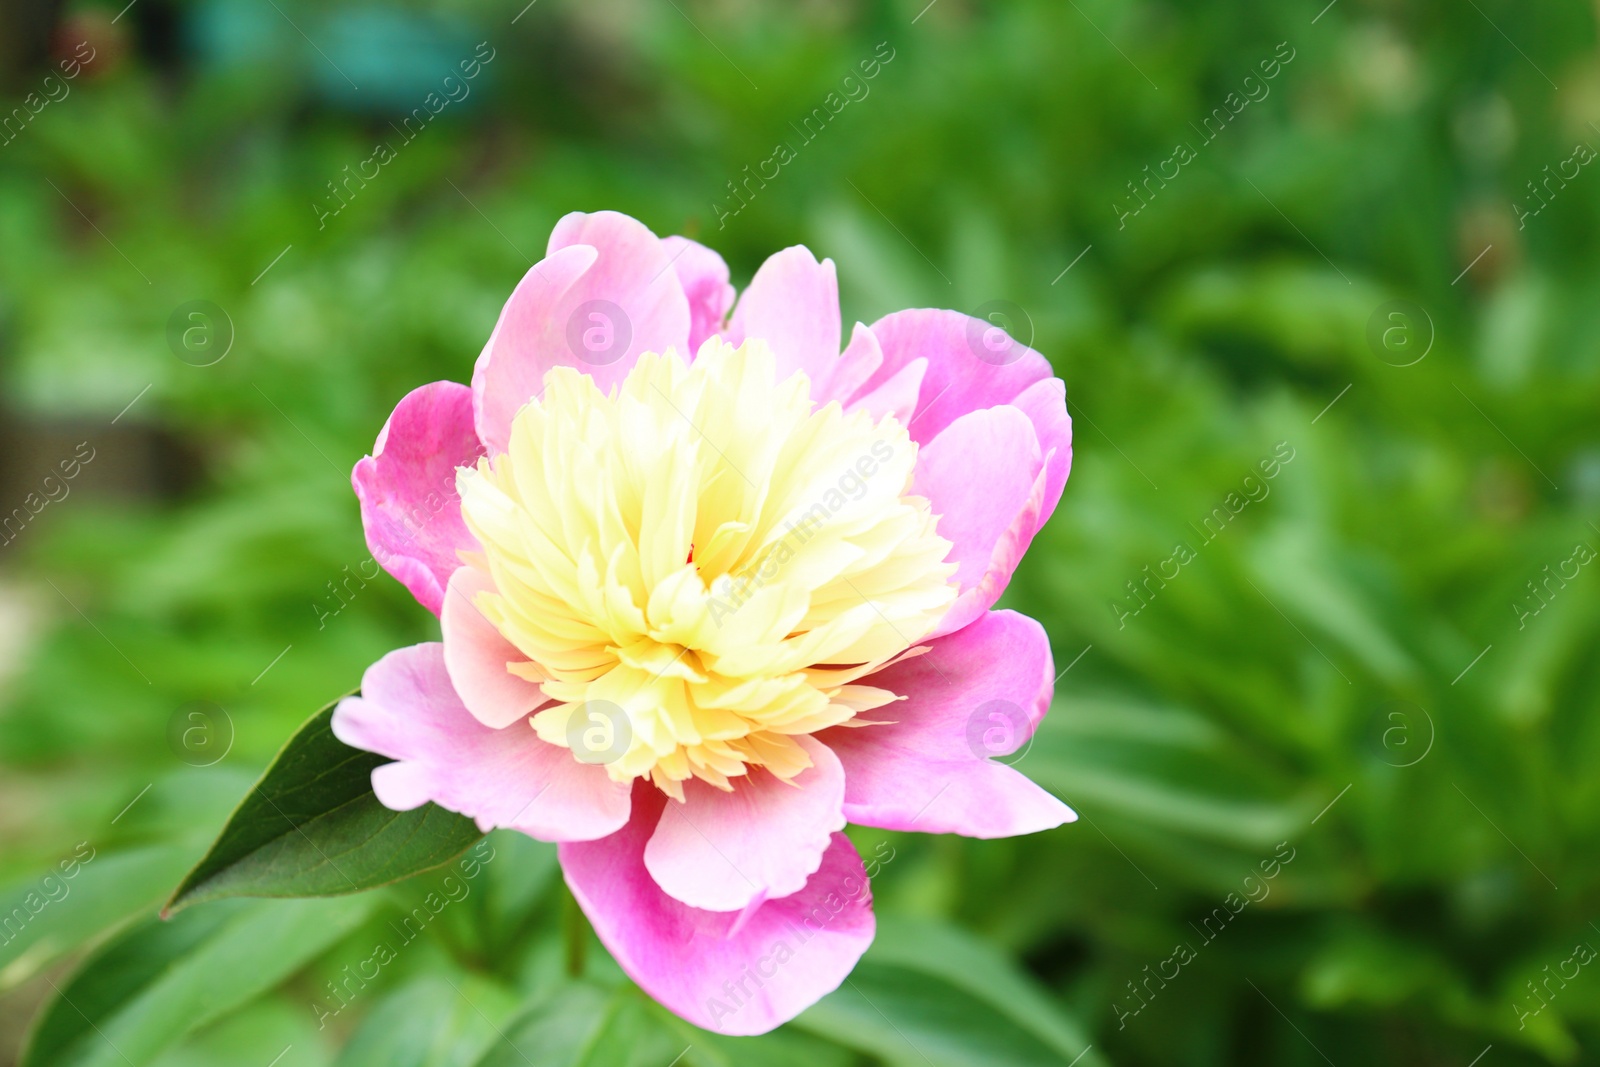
710	551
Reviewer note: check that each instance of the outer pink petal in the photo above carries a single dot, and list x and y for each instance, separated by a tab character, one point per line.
705	282
958	380
720	851
897	396
602	295
858	362
407	489
732	972
1045	404
985	479
476	656
529	338
408	711
793	305
975	694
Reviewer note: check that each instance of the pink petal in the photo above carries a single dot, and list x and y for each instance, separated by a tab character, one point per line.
719	850
476	656
602	295
1045	404
407	489
965	373
858	362
704	277
897	396
725	971
985	479
975	694
793	305
408	711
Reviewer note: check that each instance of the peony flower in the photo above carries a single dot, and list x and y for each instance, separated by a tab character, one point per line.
709	590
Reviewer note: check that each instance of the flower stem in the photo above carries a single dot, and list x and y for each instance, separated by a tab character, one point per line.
575	929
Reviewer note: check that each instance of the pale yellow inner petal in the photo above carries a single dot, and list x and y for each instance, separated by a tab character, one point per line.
710	551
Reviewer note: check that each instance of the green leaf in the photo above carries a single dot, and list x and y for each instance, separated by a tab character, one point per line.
523	871
784	1047
976	966
46	915
277	1021
312	827
582	1025
159	981
911	1017
928	994
557	1028
432	1022
1161	767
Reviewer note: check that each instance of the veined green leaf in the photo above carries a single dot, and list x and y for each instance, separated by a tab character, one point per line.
312	827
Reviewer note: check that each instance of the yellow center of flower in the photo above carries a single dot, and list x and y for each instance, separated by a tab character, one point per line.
709	551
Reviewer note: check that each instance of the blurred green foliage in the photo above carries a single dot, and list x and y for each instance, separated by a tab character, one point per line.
1356	666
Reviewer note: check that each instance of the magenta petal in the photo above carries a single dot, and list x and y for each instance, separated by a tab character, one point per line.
964	372
732	972
975	694
602	295
476	656
407	489
409	712
985	479
704	277
793	305
719	850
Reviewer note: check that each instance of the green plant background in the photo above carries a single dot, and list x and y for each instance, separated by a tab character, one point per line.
1353	638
